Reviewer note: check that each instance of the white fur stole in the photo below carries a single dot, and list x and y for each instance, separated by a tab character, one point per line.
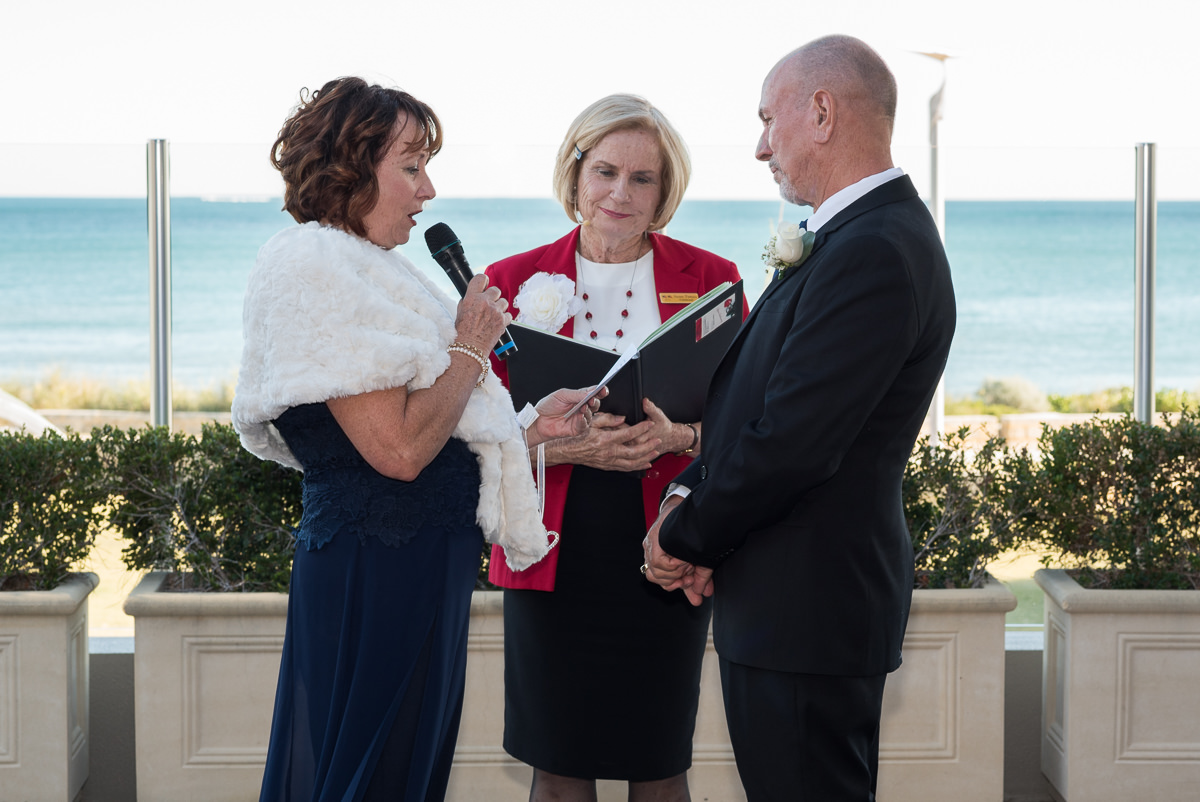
329	315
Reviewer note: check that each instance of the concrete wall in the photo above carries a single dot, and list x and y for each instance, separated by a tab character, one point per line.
113	776
1023	778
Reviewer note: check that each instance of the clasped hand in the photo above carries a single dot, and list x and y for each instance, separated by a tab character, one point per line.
669	572
613	445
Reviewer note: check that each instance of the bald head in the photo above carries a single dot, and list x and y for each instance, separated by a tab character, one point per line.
827	111
850	70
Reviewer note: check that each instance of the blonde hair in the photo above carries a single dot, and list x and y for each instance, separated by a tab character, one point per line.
623	113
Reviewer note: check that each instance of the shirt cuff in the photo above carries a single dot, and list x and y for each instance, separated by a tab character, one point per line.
674	489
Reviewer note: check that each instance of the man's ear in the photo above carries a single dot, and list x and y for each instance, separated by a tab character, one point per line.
824	115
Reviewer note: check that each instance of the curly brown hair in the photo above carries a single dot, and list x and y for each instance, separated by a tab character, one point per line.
329	148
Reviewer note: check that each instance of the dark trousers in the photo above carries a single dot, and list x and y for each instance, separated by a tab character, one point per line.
803	737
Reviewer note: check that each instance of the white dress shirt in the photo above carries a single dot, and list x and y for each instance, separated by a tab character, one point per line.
848	195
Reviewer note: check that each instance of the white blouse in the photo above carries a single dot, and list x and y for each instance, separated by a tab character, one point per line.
606	286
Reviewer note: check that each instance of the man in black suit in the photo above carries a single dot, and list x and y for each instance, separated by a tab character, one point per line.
794	516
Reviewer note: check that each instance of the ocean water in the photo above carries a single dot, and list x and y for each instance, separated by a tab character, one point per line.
1045	289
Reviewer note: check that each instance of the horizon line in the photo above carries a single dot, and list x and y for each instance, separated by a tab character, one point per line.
251	197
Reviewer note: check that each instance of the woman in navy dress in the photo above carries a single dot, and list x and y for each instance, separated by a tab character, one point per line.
359	371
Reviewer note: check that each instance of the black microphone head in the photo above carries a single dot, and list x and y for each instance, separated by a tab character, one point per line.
438	237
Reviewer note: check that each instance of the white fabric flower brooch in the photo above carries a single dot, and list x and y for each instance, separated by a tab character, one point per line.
547	301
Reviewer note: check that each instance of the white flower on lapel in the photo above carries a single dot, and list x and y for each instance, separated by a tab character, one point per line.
788	248
547	300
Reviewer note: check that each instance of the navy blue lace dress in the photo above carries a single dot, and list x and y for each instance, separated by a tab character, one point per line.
374	659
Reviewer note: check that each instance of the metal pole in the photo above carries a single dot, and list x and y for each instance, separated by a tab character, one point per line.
937	203
158	226
1144	238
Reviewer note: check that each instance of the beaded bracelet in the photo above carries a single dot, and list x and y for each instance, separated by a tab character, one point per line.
475	354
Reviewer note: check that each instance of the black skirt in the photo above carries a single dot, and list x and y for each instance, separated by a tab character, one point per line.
602	676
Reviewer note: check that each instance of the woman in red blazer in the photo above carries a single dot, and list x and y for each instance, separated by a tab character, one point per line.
590	645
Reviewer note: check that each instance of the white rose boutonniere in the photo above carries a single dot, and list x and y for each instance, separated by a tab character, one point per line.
547	301
788	248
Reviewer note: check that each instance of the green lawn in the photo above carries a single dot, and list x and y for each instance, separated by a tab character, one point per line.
1029	602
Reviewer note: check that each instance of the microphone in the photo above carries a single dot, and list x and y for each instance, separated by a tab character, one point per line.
447	251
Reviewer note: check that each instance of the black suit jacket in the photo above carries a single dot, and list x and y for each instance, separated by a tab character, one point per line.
809	421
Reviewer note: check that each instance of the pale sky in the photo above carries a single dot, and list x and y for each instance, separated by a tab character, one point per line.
1044	98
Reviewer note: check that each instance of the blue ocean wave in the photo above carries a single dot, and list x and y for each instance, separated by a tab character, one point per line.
1045	289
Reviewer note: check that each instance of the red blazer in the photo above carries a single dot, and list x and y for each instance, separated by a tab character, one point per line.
678	268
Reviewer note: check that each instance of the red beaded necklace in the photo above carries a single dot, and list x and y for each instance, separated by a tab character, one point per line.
587	313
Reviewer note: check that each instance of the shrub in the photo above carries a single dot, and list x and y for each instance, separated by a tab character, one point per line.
203	507
1120	399
1001	397
959	405
1114	399
1169	400
49	495
957	504
1015	393
1118	501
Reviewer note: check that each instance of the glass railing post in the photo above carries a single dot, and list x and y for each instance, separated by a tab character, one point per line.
158	226
1145	236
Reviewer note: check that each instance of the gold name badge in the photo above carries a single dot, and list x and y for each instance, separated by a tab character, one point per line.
677	297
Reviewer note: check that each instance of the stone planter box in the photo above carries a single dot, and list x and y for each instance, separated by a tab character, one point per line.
206	665
44	699
943	725
1120	692
205	669
942	735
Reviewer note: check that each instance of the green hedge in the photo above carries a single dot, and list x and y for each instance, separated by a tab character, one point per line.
50	507
1116	499
203	506
958	503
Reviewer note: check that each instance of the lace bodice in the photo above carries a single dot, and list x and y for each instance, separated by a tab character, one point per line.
343	494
